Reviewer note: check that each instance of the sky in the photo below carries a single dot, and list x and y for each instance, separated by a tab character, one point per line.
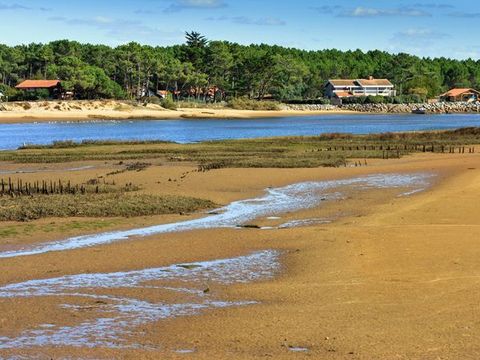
426	28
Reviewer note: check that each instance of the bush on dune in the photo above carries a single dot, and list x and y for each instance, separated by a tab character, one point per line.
249	104
168	104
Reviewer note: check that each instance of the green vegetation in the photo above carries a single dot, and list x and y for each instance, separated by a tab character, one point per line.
403	99
168	104
25	201
291	152
191	70
27	208
249	104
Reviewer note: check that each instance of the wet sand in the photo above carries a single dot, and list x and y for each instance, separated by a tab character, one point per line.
389	277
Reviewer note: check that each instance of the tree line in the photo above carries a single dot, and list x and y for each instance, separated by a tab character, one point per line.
193	69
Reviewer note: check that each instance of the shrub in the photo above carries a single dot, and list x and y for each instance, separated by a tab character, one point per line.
200	104
153	100
40	94
11	94
320	101
168	104
249	104
376	100
408	99
402	99
354	100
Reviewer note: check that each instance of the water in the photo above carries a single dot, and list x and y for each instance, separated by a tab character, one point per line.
118	315
187	131
290	198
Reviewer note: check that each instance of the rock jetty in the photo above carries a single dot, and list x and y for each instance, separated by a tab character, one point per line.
435	108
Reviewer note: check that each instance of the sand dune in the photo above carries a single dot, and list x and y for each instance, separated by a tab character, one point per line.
36	111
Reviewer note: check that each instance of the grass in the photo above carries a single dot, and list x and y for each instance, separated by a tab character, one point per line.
289	152
193	104
249	104
95	205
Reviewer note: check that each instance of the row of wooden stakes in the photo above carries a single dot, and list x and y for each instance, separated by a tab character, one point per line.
18	187
417	148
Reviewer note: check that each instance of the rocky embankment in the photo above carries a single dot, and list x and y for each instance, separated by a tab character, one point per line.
436	108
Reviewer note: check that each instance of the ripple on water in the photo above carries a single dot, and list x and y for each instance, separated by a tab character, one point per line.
120	315
276	201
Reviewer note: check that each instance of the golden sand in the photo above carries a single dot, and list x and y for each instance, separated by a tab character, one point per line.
394	278
47	111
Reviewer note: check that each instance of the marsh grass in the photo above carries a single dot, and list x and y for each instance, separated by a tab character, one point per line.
287	152
96	205
12	188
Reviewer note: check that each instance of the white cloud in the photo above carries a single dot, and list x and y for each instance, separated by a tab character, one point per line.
377	12
179	5
468	15
16	6
421	41
244	20
419	34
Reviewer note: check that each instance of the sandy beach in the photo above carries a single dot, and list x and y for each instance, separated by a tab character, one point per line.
389	277
47	111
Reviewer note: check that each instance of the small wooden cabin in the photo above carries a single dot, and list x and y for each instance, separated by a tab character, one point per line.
54	87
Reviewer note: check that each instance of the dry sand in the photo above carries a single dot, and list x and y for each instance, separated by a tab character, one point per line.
45	111
393	278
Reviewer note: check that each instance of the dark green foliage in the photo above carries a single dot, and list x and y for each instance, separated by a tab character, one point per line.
168	104
11	94
153	100
403	99
320	101
192	70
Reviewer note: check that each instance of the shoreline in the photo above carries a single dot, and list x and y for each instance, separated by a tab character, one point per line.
7	117
182	114
112	110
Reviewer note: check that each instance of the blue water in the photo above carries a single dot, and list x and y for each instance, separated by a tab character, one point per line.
186	131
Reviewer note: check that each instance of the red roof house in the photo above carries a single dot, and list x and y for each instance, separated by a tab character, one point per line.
461	95
38	84
54	87
342	88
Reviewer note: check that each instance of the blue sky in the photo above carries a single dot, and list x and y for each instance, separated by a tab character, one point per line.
425	28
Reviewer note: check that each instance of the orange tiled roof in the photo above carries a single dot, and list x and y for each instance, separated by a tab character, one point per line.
374	82
458	92
361	82
342	94
38	84
340	82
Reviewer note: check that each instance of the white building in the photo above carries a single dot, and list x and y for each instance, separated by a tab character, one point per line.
339	89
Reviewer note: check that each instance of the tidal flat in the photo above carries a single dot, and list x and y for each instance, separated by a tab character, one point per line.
323	254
